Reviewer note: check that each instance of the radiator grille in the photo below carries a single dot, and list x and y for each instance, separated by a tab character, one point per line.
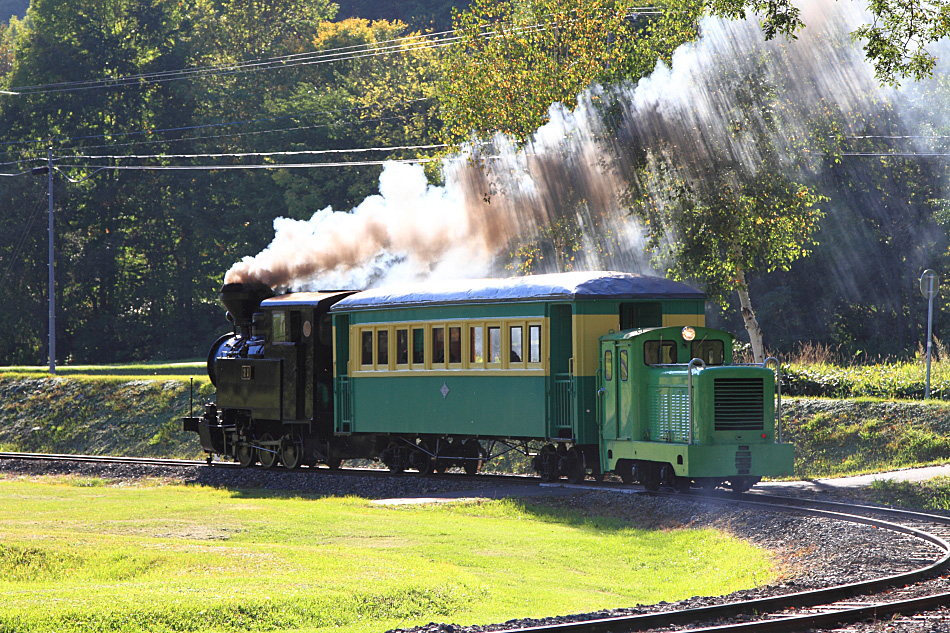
740	404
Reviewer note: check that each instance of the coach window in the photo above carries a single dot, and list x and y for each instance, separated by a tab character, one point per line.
402	347
279	327
477	351
366	347
516	344
623	365
659	352
710	352
608	365
534	343
418	348
494	345
382	349
455	345
438	346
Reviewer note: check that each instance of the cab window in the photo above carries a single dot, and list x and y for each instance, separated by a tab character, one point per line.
659	352
710	352
608	365
279	327
623	365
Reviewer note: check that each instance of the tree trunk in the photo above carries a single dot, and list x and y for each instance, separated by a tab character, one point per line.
751	324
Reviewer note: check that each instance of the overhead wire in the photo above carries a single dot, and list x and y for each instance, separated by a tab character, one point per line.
408	43
31	220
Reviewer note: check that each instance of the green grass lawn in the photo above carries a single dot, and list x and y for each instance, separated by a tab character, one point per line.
85	555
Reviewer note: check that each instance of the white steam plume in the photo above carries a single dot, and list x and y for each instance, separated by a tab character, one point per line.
583	164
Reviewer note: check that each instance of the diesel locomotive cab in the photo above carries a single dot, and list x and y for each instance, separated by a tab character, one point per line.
676	411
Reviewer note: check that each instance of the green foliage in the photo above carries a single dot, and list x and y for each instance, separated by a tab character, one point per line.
198	559
898	380
435	15
515	59
718	232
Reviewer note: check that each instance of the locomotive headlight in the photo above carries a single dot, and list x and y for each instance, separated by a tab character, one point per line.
688	333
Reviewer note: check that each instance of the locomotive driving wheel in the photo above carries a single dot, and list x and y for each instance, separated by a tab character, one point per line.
266	454
291	451
244	454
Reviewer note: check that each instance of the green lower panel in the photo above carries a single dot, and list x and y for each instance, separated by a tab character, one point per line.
723	460
464	405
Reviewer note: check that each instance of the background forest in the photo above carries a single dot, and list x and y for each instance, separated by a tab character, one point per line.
141	254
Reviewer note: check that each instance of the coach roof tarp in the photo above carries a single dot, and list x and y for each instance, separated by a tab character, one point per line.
572	286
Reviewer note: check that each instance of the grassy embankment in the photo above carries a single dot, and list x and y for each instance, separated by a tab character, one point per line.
88	556
117	410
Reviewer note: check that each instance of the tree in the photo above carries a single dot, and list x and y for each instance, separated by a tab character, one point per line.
513	60
719	234
895	41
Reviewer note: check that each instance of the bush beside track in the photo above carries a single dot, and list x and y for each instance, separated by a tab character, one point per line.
141	417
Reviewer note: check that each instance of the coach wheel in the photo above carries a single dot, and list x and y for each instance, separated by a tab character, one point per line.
244	454
266	454
420	459
545	462
291	452
394	458
474	455
574	466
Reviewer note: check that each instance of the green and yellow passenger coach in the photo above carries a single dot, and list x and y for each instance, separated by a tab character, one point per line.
585	372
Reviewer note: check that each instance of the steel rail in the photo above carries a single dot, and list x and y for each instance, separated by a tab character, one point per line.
824	597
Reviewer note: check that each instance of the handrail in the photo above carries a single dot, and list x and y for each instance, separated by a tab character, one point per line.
696	362
778	387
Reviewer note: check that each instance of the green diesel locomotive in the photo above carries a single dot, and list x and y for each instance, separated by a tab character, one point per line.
587	372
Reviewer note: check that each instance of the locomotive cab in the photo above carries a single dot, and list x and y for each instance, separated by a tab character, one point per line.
675	410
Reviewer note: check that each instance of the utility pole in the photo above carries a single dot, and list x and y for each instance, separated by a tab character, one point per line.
52	287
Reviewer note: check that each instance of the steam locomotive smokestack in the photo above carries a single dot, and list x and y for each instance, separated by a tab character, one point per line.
242	300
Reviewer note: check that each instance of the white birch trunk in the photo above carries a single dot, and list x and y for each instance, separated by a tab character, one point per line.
751	324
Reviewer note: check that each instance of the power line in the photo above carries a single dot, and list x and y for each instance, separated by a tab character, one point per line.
409	43
31	220
308	152
203	126
368	163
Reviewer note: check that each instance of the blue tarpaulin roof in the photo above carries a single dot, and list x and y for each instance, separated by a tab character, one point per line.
558	287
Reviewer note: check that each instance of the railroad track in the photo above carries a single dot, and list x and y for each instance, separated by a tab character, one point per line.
824	608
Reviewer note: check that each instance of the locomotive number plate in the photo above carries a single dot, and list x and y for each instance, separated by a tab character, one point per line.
247	372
